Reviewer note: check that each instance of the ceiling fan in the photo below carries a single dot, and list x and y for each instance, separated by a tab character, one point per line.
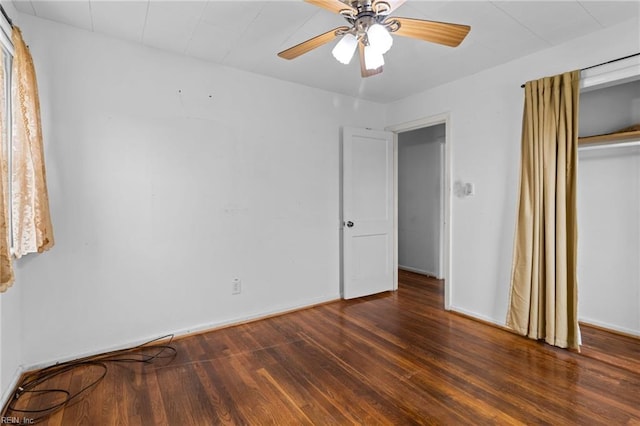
370	28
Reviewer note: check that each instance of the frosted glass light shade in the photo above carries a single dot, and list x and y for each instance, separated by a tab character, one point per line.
379	38
372	58
345	48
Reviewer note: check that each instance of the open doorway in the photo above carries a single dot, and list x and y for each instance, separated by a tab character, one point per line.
420	204
422	183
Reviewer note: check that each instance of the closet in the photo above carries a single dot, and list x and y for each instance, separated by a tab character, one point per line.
609	205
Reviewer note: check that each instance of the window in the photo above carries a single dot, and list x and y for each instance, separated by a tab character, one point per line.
5	120
6	241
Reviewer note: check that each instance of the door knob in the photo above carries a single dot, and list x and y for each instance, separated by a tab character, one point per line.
349	224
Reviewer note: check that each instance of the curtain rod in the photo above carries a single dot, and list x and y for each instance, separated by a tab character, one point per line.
607	62
4	13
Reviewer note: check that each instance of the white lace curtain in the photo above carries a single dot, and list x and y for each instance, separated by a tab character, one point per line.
31	221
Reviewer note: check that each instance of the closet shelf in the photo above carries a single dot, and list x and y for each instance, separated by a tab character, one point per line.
610	138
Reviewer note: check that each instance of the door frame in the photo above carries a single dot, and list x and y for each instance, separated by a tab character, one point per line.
446	220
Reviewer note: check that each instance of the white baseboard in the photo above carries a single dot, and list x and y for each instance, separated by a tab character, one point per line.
201	328
478	316
255	316
7	394
418	271
586	321
601	324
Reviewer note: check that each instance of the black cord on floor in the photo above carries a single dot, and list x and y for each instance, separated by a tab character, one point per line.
31	381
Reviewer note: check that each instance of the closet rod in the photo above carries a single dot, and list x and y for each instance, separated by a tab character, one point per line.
608	145
605	63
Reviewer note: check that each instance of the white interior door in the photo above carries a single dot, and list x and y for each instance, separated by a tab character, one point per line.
368	219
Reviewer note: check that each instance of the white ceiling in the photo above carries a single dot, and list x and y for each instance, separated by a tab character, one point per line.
249	34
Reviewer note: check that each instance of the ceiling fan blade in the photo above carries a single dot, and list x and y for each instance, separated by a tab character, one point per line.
363	69
334	6
312	43
433	31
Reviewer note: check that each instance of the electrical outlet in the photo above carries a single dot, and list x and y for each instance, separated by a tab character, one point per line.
236	287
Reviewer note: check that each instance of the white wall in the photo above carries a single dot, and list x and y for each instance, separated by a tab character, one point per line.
609	238
168	177
11	312
419	206
486	117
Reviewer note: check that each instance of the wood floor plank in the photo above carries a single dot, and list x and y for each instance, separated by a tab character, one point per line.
392	358
401	364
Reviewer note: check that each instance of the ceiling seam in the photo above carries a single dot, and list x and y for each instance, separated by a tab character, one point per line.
520	23
144	26
287	40
91	16
33	7
255	18
590	14
193	31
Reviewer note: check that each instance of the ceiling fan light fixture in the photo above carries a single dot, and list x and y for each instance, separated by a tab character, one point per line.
344	50
369	29
373	58
379	38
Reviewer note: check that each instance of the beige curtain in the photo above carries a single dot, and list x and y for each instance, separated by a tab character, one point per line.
32	229
6	268
543	300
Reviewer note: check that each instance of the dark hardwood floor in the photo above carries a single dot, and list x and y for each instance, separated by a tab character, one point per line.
395	358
